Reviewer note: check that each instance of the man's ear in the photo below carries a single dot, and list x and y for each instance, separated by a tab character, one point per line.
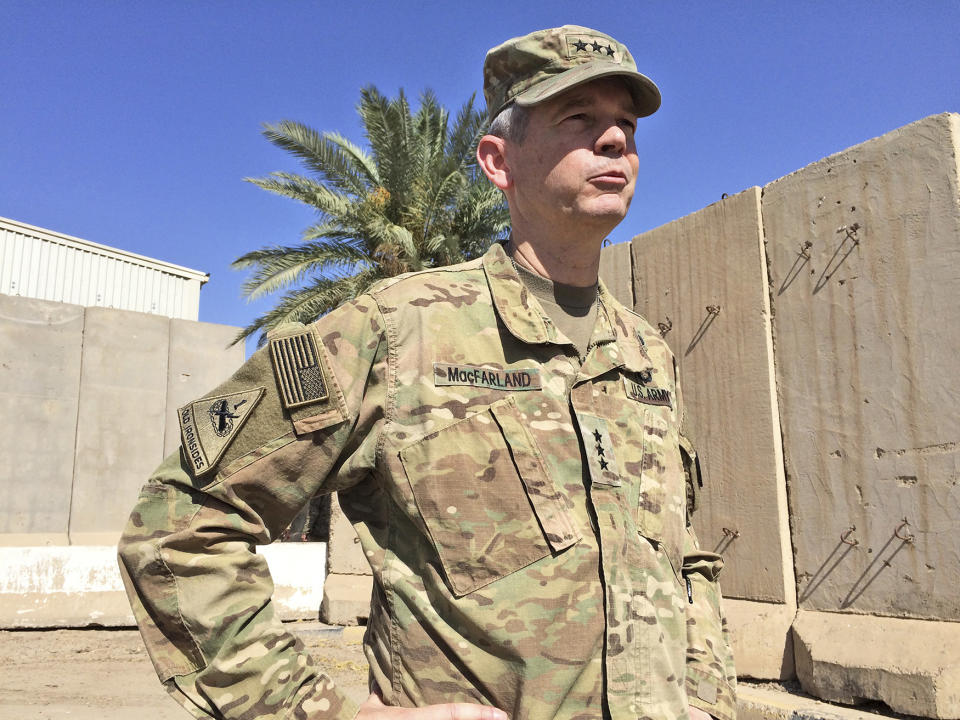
492	158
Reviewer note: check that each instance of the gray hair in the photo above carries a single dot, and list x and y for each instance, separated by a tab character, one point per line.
510	123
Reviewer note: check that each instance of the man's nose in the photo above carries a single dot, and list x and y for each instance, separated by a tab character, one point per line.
612	140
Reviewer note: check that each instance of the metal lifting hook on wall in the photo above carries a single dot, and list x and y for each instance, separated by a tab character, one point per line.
851	232
846	534
665	327
906	538
731	533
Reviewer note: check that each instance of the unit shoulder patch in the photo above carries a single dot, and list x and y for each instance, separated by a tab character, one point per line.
207	426
299	367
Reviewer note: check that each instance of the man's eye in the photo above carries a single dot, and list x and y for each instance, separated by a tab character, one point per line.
628	125
577	116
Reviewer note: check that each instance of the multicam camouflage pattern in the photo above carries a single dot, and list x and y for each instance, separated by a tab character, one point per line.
711	681
534	68
527	544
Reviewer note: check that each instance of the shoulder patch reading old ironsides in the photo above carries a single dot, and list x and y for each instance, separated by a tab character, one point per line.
515	379
208	425
298	365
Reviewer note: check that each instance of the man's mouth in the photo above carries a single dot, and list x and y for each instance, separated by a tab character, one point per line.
610	177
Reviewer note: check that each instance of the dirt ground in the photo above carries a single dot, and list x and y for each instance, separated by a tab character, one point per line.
106	674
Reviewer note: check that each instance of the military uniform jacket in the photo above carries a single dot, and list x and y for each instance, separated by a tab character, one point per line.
523	513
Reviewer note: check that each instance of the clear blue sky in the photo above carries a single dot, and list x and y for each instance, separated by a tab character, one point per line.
132	123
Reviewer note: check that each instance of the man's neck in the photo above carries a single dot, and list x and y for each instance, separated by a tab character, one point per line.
571	261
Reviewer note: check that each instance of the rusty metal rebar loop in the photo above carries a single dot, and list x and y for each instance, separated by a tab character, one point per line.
846	534
908	537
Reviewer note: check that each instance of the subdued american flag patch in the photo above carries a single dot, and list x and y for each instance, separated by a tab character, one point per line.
298	365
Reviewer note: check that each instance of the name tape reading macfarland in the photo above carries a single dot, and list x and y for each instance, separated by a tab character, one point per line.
519	379
648	395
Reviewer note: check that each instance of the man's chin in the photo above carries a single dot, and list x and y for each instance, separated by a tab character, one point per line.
610	213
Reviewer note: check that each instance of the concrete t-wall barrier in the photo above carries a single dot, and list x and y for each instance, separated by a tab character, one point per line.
85	395
850	268
88	400
198	362
864	251
41	344
865	276
702	279
120	424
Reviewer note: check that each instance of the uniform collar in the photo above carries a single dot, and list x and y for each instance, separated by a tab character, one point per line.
519	310
524	317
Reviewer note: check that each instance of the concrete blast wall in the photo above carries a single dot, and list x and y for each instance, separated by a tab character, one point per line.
85	395
865	276
850	268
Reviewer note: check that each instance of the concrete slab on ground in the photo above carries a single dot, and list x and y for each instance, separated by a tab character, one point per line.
80	586
346	599
773	702
761	638
911	665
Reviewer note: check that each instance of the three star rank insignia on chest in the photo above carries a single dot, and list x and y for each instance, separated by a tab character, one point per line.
598	446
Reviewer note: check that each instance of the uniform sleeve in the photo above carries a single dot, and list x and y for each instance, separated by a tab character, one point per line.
711	680
253	452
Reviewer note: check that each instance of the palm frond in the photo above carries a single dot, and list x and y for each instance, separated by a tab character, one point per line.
412	198
304	190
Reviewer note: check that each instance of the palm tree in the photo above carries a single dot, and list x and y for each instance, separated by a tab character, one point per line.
415	200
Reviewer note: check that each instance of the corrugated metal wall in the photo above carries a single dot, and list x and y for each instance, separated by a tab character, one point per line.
43	264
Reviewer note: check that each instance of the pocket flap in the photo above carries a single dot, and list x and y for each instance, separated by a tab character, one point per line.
485	498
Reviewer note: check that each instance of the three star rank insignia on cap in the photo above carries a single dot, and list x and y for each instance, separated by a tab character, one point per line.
578	45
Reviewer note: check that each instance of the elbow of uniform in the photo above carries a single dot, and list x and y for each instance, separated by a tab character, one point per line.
137	549
132	552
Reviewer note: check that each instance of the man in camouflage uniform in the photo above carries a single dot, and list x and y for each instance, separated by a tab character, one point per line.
504	436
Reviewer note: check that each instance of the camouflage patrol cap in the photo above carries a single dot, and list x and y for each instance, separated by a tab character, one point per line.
531	69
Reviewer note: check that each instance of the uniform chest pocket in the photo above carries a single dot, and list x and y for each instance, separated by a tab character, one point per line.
484	495
661	509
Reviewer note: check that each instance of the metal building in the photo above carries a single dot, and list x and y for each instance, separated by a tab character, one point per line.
48	265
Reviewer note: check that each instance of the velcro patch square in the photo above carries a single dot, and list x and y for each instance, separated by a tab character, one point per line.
298	365
707	691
